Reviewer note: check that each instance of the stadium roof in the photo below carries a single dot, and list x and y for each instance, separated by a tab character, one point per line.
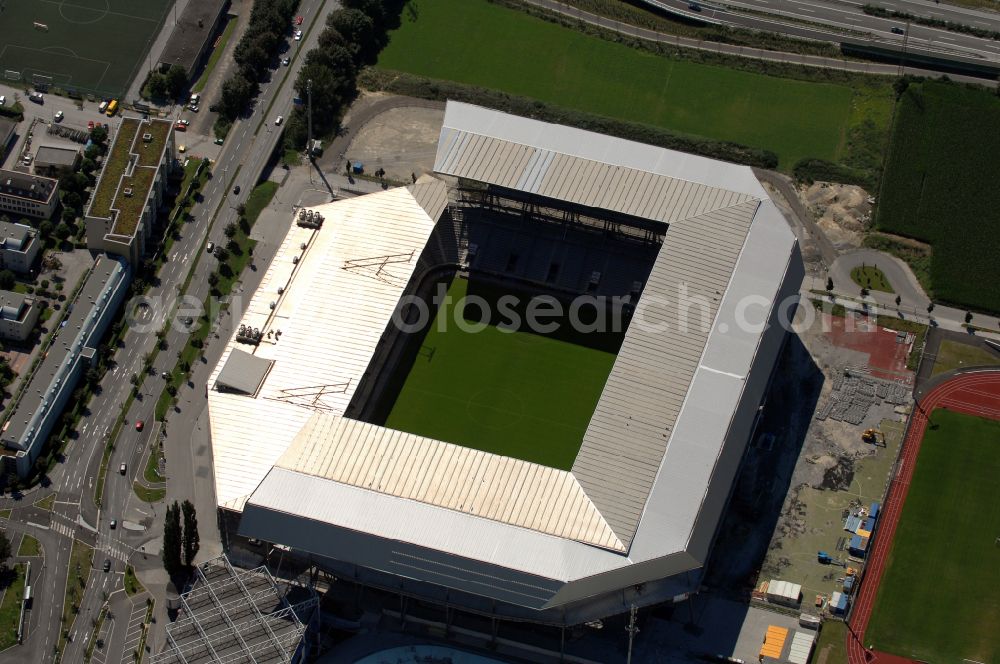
321	307
657	440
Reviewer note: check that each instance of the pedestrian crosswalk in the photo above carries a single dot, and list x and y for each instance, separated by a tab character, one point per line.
113	548
62	528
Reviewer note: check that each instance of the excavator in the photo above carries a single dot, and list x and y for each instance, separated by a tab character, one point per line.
873	436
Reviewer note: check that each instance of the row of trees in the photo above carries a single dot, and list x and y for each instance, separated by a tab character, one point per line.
269	23
352	38
180	537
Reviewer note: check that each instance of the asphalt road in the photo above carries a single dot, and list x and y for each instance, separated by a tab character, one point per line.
833	20
240	162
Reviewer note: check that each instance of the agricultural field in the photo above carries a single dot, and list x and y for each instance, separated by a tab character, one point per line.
478	43
936	602
90	46
940	187
513	393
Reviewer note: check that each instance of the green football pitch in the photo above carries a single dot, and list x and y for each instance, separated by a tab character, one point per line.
938	600
479	43
517	394
91	46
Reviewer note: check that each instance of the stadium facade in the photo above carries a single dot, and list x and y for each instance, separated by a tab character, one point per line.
633	521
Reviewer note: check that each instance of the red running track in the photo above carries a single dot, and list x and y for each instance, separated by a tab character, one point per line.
973	393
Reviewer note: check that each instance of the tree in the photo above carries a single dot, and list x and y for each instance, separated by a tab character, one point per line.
5	551
213	278
157	85
357	29
930	307
231	229
241	209
73	200
99	135
829	280
176	80
191	538
236	94
63	230
172	540
222	254
7	280
898	300
968	317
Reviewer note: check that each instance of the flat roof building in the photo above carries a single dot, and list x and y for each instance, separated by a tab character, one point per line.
19	246
192	37
7	129
632	522
18	315
25	195
53	161
130	189
44	398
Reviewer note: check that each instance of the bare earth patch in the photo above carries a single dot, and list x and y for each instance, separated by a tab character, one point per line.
403	141
842	211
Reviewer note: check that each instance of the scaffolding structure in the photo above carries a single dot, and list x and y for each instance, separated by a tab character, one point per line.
234	616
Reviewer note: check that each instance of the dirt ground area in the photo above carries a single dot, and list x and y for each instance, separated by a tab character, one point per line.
401	140
842	211
808	465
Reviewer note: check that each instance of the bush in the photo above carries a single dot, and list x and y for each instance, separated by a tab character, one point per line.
810	170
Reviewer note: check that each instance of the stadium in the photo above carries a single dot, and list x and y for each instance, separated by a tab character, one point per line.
376	418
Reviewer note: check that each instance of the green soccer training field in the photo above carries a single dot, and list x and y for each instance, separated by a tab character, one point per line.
91	46
479	43
938	600
517	394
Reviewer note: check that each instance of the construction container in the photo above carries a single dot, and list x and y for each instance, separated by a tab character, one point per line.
784	592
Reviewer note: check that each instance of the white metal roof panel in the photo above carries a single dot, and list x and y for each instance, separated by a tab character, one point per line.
801	648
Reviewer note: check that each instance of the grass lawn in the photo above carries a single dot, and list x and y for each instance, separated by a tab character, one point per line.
938	600
517	394
47	502
872	278
10	608
955	355
939	187
132	585
29	547
5	513
831	647
148	495
152	471
220	46
478	43
80	562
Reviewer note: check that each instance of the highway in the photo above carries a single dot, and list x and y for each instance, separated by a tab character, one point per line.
240	162
843	21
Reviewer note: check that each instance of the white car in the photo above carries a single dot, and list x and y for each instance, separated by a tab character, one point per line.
59	116
278	120
298	35
186	123
3	100
286	61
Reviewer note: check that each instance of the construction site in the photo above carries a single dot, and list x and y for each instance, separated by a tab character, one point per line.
808	497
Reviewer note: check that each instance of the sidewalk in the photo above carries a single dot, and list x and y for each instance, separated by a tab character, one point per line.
946	318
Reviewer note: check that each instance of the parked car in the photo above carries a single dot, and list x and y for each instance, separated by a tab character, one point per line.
194	100
186	123
298	20
219	141
164	375
194	108
210	247
236	190
3	100
123	468
278	120
90	125
58	117
103	106
36	97
286	61
180	126
298	35
898	31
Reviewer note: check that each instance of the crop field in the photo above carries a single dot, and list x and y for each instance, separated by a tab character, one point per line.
940	187
90	46
478	43
937	601
512	393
